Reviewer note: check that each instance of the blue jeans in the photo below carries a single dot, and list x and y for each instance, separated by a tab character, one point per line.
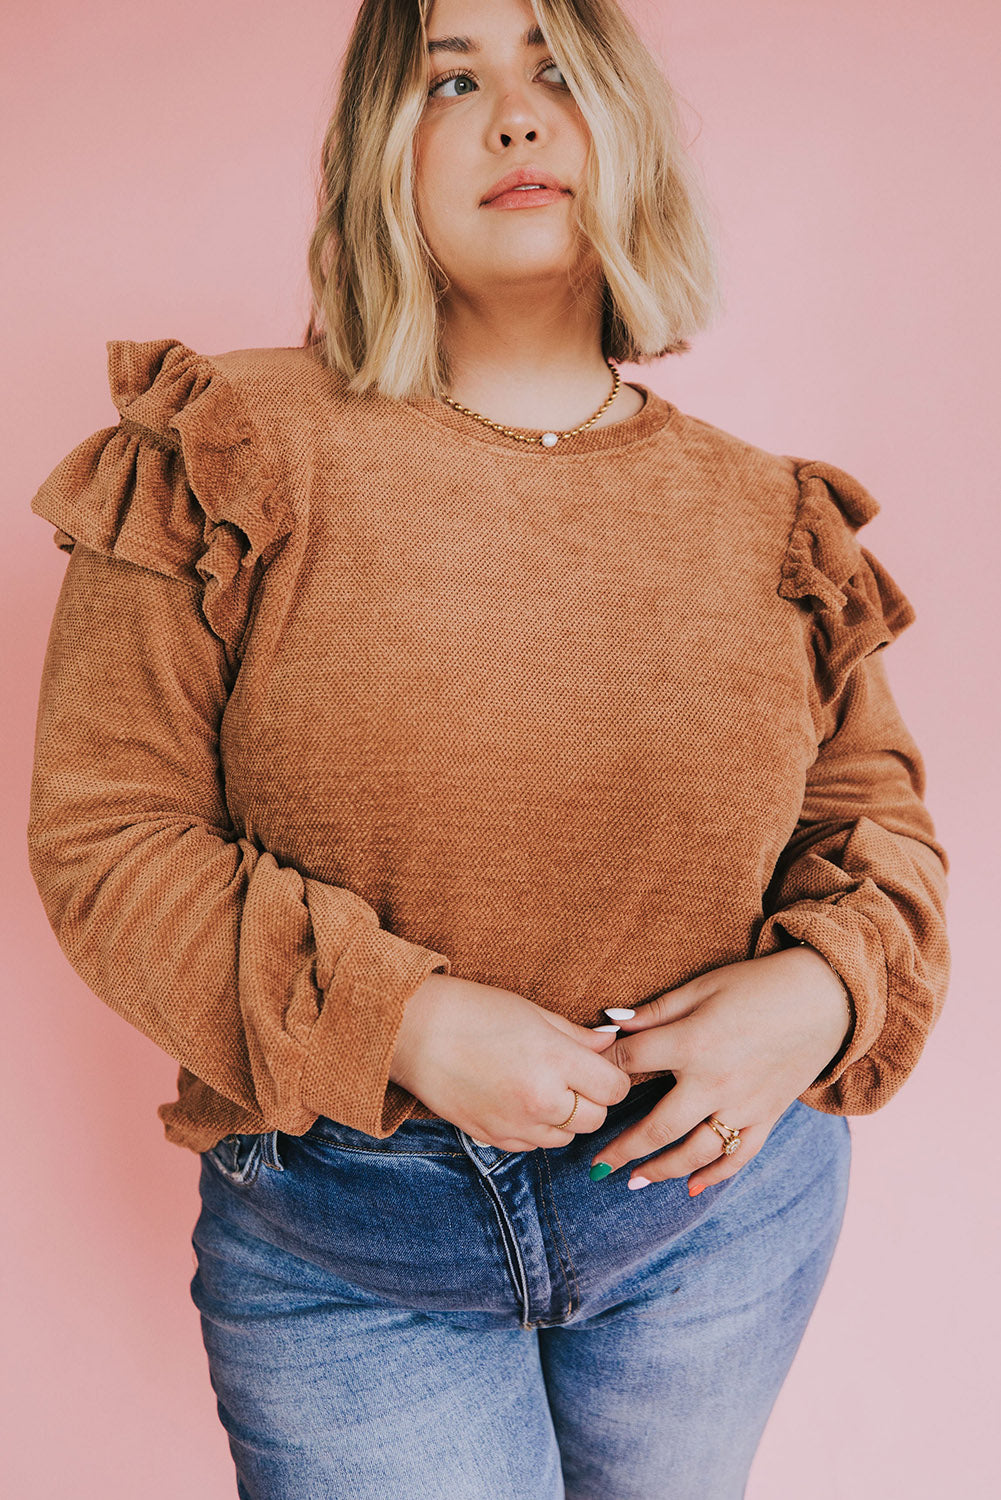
364	1305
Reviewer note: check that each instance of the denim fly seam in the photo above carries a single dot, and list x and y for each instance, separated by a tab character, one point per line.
489	1160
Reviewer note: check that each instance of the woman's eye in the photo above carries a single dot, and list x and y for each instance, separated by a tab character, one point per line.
461	79
456	78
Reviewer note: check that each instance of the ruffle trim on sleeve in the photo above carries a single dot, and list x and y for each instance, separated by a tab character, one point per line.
856	607
178	486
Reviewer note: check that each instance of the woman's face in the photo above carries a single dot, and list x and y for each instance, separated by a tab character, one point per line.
505	107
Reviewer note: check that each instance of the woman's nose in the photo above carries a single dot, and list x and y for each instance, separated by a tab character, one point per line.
515	119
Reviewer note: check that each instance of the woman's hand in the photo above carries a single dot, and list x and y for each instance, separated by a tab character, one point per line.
502	1068
743	1042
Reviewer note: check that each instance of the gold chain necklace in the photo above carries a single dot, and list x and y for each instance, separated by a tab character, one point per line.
547	439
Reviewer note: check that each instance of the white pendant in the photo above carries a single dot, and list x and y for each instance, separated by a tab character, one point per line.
550	439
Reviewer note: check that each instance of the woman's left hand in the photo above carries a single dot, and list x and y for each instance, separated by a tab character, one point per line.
743	1042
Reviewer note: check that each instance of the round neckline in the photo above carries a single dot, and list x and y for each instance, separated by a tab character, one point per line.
654	415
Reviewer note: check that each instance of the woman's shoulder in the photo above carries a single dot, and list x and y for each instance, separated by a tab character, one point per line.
188	482
165	383
272	374
781	489
802	517
725	460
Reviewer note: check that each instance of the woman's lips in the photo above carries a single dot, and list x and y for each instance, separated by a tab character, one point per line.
527	197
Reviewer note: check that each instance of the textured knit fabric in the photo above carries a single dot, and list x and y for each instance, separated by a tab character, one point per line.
342	690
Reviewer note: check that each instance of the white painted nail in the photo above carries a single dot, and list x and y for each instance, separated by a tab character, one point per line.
611	1027
638	1182
621	1014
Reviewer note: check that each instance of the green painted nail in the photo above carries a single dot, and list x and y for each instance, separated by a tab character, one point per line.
599	1170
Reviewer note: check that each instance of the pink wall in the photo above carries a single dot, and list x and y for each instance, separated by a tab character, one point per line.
158	184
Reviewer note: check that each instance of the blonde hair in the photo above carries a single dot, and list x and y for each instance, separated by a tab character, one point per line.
376	286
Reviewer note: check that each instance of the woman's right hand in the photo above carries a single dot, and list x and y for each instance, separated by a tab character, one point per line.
500	1067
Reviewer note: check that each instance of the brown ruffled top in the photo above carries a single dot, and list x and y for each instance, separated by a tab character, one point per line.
342	690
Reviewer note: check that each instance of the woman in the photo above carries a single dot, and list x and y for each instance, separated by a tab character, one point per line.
482	778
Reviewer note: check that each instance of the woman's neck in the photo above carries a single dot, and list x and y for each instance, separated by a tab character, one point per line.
530	360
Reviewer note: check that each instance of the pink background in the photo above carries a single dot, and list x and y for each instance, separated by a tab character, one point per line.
158	184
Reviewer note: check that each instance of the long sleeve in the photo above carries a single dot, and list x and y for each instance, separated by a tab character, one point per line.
278	991
863	878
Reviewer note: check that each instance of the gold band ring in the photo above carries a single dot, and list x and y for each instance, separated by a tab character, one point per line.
566	1122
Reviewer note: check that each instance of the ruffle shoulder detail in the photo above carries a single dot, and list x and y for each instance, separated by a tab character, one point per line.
178	486
855	606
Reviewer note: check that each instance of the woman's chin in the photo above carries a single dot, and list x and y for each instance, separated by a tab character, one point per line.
516	264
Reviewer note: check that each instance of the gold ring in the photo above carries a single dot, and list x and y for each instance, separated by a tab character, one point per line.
566	1122
727	1134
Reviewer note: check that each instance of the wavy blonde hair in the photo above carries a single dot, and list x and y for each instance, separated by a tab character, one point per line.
376	286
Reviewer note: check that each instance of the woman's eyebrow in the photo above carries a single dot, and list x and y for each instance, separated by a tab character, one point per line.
533	38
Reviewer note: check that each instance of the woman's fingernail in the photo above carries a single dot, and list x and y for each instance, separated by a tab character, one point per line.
599	1170
638	1182
622	1013
611	1027
693	1192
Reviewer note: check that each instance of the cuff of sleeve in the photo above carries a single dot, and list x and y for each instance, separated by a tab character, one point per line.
852	946
350	1048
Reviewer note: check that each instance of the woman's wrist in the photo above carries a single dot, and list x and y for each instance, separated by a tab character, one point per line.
827	984
416	1015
